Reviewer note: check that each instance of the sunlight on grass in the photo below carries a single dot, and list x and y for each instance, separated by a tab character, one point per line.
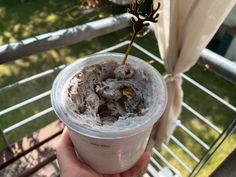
21	63
2	12
16	27
10	36
55	55
4	71
51	18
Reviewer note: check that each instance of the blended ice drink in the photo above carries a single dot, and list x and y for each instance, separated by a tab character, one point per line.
109	108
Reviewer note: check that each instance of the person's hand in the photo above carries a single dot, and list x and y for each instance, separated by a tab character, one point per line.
71	166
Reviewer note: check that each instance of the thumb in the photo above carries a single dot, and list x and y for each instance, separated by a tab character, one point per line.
66	155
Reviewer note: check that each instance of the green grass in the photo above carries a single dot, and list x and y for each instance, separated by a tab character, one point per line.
21	20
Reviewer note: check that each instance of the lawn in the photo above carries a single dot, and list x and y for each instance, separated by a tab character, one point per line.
28	18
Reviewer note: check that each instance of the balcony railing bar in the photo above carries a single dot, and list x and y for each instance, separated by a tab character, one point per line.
148	174
24	103
63	37
165	161
148	53
27	120
114	47
199	116
152	171
36	76
233	108
155	163
218	64
194	136
176	157
184	148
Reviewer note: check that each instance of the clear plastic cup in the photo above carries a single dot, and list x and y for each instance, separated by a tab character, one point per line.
114	150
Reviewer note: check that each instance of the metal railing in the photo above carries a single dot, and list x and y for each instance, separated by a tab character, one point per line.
159	162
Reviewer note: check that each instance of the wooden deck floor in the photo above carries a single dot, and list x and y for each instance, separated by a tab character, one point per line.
34	155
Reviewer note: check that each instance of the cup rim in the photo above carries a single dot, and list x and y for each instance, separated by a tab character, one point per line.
70	120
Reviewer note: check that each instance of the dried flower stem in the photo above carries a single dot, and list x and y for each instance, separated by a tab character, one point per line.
129	48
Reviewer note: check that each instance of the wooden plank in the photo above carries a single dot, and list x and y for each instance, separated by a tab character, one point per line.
29	143
32	161
38	166
50	170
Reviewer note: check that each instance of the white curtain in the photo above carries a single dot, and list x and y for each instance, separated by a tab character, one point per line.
184	29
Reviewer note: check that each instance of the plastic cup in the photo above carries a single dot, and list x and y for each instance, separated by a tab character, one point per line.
109	151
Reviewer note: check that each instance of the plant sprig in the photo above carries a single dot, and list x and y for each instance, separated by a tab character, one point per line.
138	22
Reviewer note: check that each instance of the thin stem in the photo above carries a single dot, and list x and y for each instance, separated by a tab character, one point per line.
129	48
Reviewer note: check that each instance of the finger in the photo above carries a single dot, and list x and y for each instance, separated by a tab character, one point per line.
113	175
138	166
65	151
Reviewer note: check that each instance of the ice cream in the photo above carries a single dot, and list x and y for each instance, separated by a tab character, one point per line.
108	94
